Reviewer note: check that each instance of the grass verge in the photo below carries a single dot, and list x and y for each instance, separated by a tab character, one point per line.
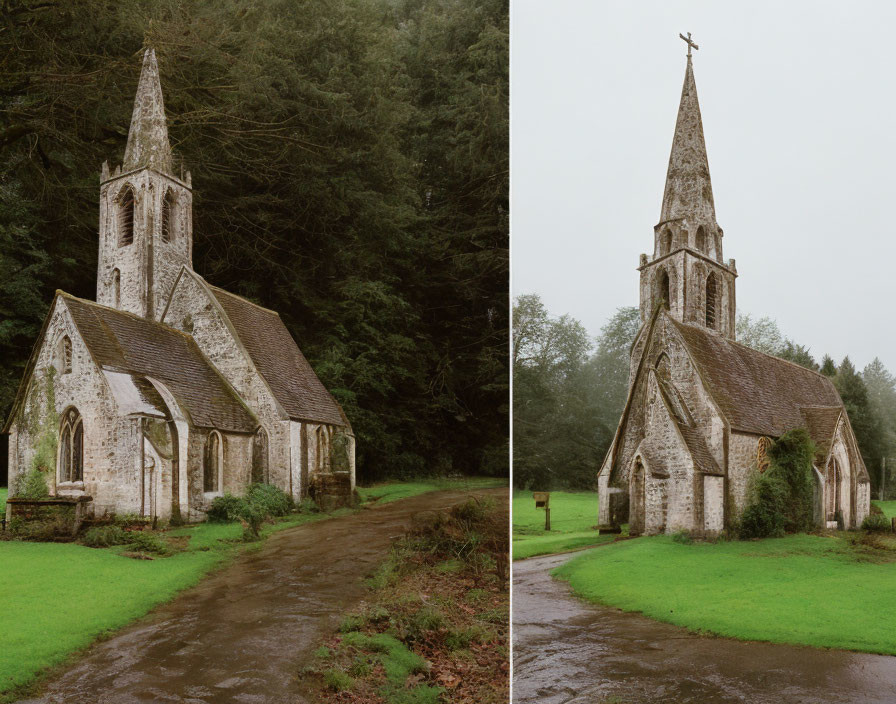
830	592
393	491
888	507
435	625
60	597
573	521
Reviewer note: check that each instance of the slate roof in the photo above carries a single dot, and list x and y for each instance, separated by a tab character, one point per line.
280	361
123	342
821	422
756	392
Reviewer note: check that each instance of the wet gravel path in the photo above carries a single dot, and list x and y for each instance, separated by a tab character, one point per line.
245	632
567	651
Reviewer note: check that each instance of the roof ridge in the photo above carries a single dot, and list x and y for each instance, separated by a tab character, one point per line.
753	349
94	304
242	298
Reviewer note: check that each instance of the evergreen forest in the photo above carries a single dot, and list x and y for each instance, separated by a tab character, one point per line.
349	161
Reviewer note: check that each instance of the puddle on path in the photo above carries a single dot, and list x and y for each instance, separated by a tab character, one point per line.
567	651
245	633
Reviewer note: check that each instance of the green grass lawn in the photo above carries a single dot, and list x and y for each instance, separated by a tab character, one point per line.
392	491
57	598
573	517
802	589
888	507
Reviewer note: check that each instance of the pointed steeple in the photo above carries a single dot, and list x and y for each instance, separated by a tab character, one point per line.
688	187
148	137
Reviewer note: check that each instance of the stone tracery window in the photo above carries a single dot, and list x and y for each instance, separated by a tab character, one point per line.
323	449
211	463
71	447
169	204
126	217
711	301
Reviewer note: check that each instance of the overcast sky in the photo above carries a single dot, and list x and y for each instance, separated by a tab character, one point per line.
799	111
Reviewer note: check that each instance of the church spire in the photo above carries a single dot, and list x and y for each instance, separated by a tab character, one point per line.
688	187
148	137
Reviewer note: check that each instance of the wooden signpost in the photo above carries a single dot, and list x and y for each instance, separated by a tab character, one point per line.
543	500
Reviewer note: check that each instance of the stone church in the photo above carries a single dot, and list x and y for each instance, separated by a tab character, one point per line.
167	391
702	409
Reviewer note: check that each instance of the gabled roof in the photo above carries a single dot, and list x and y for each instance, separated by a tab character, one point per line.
821	422
141	348
278	359
757	393
693	438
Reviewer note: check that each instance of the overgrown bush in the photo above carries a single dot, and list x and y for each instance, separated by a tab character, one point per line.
682	537
474	532
148	542
876	523
308	505
272	500
33	485
225	509
105	536
781	499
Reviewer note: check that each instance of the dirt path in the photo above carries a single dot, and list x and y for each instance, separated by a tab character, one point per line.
244	633
567	651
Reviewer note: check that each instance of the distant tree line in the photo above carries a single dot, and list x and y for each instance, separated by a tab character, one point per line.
350	170
569	392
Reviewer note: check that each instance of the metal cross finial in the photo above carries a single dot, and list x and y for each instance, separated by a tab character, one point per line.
689	42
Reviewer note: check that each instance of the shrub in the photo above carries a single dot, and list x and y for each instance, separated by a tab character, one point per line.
148	542
272	500
308	505
876	523
781	498
225	509
682	537
337	680
33	485
764	515
105	536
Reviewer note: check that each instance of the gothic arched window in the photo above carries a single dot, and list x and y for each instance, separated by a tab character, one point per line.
260	456
712	296
323	449
168	216
211	463
663	289
65	354
71	447
116	288
665	243
126	217
701	239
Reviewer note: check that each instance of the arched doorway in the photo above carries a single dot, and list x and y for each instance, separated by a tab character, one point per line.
833	479
637	499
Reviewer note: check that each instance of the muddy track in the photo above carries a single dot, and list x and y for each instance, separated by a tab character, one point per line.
245	632
567	651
